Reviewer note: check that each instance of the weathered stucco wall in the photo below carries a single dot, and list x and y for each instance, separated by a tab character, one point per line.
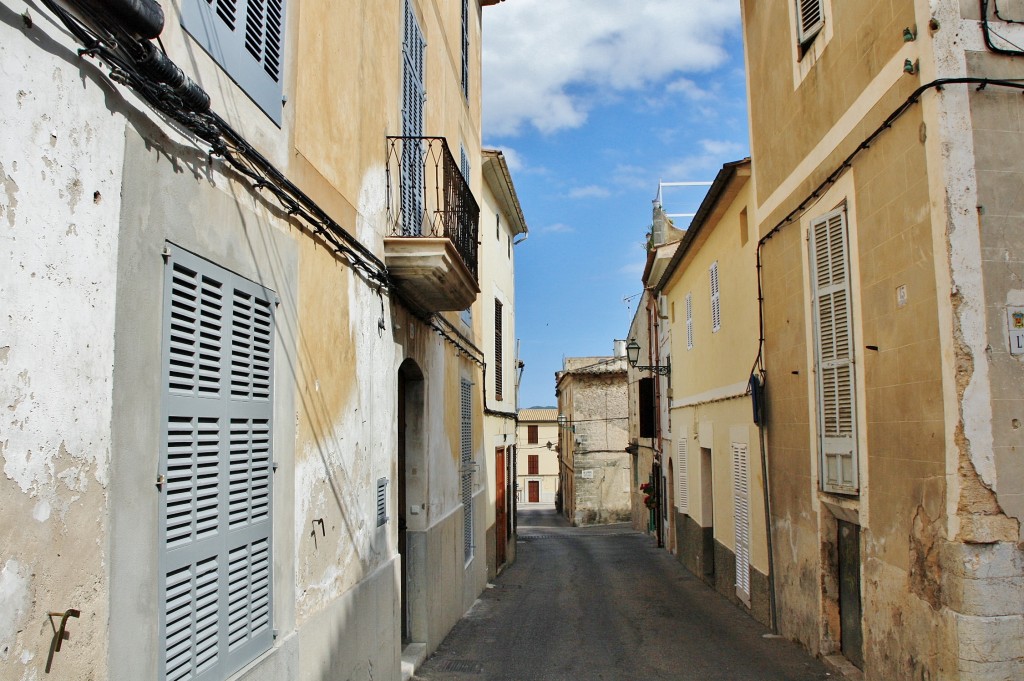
59	202
936	406
601	465
93	188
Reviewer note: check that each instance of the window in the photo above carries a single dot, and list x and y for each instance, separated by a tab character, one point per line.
246	37
215	510
465	48
466	466
834	353
646	407
689	321
497	227
413	97
533	464
810	17
498	352
382	501
744	227
464	163
532	435
716	308
682	489
741	514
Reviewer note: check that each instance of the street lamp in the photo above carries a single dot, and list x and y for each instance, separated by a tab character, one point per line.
633	355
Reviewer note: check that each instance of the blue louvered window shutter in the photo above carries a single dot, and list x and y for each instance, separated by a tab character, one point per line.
466	465
465	48
413	99
216	468
246	37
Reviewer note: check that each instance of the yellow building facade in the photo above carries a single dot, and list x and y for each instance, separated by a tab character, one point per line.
885	181
272	407
712	457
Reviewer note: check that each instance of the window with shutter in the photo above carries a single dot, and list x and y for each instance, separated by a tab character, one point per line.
499	350
689	321
382	501
246	37
414	95
682	488
810	17
466	466
716	308
533	464
215	508
741	515
532	435
834	353
465	48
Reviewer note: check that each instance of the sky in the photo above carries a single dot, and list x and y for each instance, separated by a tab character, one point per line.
594	102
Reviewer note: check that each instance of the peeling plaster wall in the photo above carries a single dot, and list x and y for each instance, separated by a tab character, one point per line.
999	154
599	410
59	202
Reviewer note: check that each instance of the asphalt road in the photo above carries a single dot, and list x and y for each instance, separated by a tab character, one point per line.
604	603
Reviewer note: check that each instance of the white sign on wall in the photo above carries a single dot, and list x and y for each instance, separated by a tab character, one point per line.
587	474
1015	324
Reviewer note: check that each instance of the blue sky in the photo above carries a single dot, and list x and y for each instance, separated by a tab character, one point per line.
593	102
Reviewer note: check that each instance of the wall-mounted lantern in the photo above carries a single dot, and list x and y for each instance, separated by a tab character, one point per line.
633	355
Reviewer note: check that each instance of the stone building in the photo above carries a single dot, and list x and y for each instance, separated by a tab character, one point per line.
594	477
887	165
244	427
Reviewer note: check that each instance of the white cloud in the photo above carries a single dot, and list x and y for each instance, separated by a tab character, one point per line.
705	162
547	63
589	192
690	89
556	228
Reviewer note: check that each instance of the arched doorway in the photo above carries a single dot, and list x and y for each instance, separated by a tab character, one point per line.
411	501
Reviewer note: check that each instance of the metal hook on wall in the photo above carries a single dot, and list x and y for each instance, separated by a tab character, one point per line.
59	634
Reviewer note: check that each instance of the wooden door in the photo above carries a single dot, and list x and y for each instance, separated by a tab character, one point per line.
851	635
533	487
500	510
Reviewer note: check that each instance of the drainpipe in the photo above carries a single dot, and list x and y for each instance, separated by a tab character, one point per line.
652	355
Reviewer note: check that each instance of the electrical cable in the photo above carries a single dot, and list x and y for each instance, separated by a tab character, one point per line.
144	68
141	67
987	32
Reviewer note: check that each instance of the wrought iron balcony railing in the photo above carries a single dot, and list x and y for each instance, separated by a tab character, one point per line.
428	196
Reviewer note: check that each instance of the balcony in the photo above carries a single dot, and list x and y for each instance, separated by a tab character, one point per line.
433	221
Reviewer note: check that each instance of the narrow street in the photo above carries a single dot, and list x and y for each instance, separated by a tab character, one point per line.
605	603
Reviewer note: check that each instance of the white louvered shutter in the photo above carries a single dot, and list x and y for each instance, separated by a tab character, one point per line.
466	465
810	18
834	353
215	504
741	515
683	485
689	321
414	95
246	37
716	306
